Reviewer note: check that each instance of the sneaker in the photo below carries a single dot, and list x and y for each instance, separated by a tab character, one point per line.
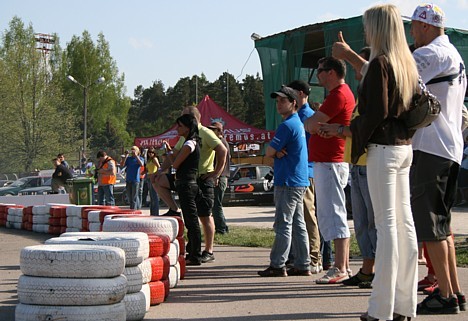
333	276
431	289
358	278
316	269
207	257
461	301
365	285
273	272
171	212
366	317
435	304
424	283
296	272
192	262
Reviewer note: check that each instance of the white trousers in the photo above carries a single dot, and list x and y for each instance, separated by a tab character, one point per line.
396	260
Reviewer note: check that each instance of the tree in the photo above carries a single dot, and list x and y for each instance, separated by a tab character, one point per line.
227	93
33	109
254	101
107	105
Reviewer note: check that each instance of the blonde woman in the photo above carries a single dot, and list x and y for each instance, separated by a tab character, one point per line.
390	80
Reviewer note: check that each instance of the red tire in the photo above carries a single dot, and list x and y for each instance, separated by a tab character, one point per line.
159	244
181	241
183	267
54	230
157	292
54	221
159	268
166	288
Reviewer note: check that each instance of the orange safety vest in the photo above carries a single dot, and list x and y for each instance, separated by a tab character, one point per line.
107	179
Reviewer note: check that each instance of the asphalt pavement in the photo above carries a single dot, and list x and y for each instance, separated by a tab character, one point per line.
229	288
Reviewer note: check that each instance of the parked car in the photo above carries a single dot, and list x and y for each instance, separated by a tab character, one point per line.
46	188
249	184
23	183
5	182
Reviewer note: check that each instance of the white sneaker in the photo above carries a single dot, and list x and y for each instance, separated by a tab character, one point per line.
333	276
316	269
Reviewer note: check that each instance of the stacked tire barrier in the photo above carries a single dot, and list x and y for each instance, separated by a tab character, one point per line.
40	218
160	267
71	282
167	227
137	268
57	219
15	217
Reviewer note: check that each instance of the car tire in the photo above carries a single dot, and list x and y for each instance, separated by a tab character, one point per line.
158	225
67	291
137	304
72	261
112	312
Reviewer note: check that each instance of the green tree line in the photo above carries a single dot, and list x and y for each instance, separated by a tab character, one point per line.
41	111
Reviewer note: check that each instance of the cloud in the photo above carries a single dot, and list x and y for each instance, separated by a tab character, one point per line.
140	43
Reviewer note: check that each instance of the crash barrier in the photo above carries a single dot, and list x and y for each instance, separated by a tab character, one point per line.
59	278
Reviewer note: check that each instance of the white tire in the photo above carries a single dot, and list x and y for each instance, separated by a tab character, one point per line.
73	229
173	253
74	221
112	312
17	225
137	304
40	219
136	250
93	216
40	209
65	291
174	275
72	261
165	226
40	228
137	276
94	227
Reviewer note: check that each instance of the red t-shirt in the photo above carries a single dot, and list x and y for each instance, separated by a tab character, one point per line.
339	106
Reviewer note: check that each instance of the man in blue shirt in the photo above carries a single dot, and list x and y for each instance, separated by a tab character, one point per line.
133	163
289	150
305	112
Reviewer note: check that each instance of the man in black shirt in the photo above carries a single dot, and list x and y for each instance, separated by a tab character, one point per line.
60	176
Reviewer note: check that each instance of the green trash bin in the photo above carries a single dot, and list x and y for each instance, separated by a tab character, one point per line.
80	190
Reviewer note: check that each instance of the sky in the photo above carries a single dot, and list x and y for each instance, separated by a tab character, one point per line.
153	40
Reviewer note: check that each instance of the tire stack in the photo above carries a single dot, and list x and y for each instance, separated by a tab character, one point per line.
169	227
15	217
40	218
74	223
27	218
4	213
57	219
71	282
160	266
137	267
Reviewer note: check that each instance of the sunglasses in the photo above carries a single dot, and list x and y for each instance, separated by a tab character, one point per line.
322	69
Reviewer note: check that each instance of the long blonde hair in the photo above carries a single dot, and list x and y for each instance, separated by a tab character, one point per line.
385	34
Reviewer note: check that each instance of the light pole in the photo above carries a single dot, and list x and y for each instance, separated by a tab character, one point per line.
85	107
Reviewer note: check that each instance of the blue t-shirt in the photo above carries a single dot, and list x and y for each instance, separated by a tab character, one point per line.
291	170
133	169
304	113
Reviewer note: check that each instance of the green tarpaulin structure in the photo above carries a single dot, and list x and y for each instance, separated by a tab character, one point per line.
293	54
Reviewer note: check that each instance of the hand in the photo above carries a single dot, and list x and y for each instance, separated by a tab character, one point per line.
328	130
281	153
340	48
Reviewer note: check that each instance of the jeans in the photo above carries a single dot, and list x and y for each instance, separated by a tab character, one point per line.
140	193
363	213
327	252
106	195
396	259
218	213
132	194
188	192
154	198
290	228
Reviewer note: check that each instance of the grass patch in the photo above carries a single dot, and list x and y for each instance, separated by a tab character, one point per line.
264	237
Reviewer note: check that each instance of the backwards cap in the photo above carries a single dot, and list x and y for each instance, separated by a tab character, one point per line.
429	13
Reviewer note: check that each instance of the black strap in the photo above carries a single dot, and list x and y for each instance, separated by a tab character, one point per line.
442	79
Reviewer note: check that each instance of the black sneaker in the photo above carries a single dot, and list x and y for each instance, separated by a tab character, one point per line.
192	262
358	278
171	212
435	304
461	301
207	257
273	272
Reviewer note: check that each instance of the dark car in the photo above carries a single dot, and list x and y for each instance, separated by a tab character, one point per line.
23	183
5	182
249	184
45	188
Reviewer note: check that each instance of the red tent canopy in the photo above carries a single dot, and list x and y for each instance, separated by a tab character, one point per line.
235	131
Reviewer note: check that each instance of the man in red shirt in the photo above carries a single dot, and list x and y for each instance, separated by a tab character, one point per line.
330	170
